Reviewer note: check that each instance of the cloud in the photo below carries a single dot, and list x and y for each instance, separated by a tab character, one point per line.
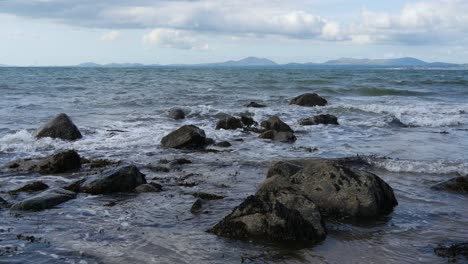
171	38
111	36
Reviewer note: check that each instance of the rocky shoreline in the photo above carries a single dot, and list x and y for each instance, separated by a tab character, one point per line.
293	203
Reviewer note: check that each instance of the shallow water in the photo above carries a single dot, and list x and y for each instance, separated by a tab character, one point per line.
411	124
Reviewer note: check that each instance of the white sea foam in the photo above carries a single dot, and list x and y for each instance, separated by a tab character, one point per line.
429	167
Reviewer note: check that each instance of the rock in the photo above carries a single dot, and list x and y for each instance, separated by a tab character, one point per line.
277	216
337	190
61	162
177	114
32	187
453	251
276	124
75	186
209	141
223	144
458	184
156	185
229	123
120	179
309	99
255	104
186	137
278	136
320	119
207	196
248	121
147	188
4	204
60	127
45	200
196	207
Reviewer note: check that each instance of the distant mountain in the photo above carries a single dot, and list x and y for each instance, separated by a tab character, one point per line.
111	65
249	61
378	62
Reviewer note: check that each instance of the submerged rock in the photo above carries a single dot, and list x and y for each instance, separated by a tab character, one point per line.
147	187
458	184
60	127
229	123
177	114
278	136
320	119
453	251
32	187
45	200
61	162
223	144
337	190
248	121
255	105
4	204
186	137
309	99
277	216
197	206
207	196
277	130
121	179
276	124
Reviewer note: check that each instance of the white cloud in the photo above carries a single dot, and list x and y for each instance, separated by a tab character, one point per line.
111	36
171	38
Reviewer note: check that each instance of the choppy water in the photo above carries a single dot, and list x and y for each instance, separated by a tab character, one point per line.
414	124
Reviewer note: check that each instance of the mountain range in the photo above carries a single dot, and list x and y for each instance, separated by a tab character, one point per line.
254	62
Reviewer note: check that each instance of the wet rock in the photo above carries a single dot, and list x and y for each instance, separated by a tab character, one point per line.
147	188
159	168
453	252
309	99
276	124
458	185
223	144
207	196
221	115
101	163
121	179
75	186
209	141
229	123
60	127
32	187
337	190
248	121
278	136
255	105
320	119
276	216
45	200
186	137
197	206
177	114
61	162
4	204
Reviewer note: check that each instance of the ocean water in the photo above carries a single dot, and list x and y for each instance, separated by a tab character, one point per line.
411	125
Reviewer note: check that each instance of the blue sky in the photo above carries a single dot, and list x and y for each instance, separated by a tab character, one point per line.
64	32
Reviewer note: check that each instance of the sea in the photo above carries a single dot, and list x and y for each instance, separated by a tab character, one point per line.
410	125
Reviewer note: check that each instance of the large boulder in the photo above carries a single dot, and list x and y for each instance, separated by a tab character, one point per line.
176	113
229	123
454	252
279	216
60	127
120	179
309	99
186	137
32	187
277	130
319	119
44	200
458	184
336	189
65	161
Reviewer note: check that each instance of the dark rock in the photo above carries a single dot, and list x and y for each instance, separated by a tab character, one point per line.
32	187
121	179
255	104
276	124
278	136
453	252
248	121
458	184
337	190
320	119
156	185
65	161
277	216
186	137
209	141
222	115
60	127
147	187
176	114
309	99
159	169
229	123
223	144
197	206
45	200
207	196
4	204
75	186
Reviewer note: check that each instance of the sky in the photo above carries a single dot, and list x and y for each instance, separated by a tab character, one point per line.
68	32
